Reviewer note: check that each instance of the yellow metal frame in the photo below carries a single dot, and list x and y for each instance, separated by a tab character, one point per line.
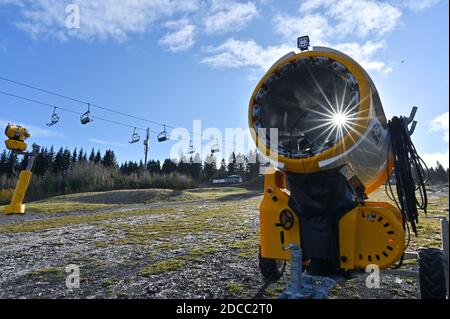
275	200
16	146
372	229
17	206
371	234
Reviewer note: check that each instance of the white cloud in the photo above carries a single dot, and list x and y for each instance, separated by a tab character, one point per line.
356	17
100	19
432	158
182	36
419	5
102	142
327	22
314	25
228	15
441	124
365	54
235	53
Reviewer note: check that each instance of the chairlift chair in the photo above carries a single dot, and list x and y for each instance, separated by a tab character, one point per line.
54	119
85	118
216	148
162	137
135	137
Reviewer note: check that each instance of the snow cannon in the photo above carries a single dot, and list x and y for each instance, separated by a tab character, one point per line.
318	117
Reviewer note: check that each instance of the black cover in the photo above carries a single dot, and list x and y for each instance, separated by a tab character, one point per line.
320	200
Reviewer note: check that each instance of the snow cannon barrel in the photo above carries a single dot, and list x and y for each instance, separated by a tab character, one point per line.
326	113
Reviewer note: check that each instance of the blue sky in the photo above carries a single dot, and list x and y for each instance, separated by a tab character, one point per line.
176	61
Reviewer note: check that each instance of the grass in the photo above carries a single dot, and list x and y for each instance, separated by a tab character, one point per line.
235	289
111	281
58	207
47	271
162	266
5	196
50	223
93	201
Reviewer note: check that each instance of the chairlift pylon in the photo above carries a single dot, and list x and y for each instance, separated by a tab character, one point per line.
85	118
191	148
135	137
162	137
54	118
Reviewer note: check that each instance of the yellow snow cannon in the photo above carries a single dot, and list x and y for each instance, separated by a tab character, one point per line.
318	117
16	138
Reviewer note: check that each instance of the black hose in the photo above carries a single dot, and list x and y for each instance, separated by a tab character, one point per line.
410	172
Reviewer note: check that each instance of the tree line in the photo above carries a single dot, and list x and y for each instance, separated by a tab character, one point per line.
62	161
72	171
438	174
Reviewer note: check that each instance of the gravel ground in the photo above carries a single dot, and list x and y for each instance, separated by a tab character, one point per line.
194	249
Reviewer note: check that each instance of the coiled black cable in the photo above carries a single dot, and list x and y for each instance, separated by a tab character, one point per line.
410	172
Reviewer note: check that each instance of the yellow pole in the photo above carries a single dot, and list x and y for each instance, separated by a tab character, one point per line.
17	206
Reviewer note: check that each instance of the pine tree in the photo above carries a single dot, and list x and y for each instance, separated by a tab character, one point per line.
183	166
232	165
58	163
3	162
67	161
74	156
92	156
98	157
109	159
169	167
81	156
252	166
196	167
209	169
222	172
441	174
154	167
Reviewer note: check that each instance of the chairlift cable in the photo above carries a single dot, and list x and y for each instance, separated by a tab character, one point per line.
100	107
56	107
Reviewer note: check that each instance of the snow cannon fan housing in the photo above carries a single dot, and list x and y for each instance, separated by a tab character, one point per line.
328	114
16	138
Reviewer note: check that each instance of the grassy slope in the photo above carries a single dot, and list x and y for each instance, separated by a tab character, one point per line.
120	198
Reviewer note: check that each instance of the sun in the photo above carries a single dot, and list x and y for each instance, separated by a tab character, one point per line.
340	119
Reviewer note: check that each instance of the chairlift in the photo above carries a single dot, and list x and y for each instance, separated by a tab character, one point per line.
162	137
135	137
54	119
85	118
191	148
216	148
